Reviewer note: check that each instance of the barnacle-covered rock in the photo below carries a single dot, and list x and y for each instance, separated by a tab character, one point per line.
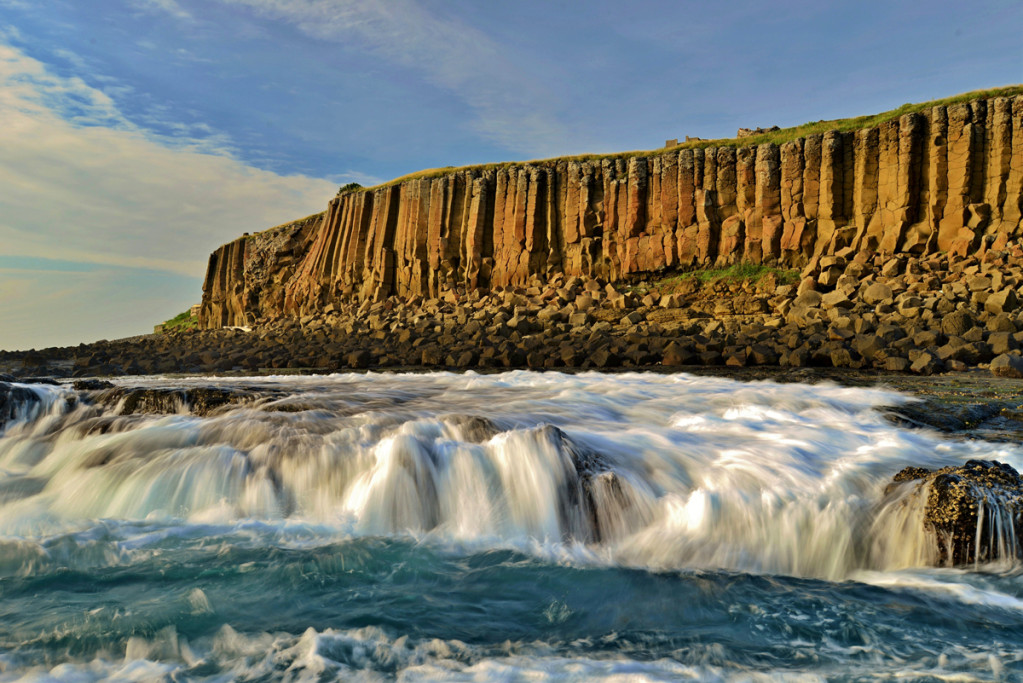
975	511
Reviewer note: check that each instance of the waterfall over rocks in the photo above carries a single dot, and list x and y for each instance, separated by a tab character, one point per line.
519	525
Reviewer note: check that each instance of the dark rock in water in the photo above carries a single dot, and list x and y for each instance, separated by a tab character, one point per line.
205	400
975	510
593	499
39	380
6	378
945	416
91	385
144	400
13	401
474	428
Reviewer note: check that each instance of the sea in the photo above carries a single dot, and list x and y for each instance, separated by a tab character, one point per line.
505	527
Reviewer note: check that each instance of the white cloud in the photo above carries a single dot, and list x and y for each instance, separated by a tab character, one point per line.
79	182
513	109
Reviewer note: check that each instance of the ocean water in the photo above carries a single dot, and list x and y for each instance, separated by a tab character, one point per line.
513	527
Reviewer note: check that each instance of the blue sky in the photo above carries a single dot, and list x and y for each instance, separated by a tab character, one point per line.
138	135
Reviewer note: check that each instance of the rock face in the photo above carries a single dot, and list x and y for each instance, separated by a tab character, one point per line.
948	179
245	279
975	511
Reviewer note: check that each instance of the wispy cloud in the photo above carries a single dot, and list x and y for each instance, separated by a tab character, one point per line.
512	107
79	182
105	227
169	6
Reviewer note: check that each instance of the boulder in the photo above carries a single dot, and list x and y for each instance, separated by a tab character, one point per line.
876	293
956	324
808	299
896	364
1001	302
675	354
1006	365
1001	343
982	496
836	299
927	363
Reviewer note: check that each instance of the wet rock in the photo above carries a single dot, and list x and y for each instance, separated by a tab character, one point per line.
91	385
975	511
594	499
474	428
200	401
15	401
946	416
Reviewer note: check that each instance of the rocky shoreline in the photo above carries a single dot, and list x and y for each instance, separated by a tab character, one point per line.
854	310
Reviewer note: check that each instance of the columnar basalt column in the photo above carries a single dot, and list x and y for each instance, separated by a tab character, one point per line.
946	179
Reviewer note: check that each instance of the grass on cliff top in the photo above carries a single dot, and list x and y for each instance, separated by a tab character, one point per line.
777	137
180	323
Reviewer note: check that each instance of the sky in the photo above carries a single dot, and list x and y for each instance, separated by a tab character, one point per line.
136	136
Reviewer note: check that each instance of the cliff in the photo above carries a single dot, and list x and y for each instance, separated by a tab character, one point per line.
949	178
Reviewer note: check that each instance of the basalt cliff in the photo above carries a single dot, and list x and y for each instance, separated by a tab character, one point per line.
947	179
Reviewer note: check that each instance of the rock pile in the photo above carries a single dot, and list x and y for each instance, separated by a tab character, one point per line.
863	310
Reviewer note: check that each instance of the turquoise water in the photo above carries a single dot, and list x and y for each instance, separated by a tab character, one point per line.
510	527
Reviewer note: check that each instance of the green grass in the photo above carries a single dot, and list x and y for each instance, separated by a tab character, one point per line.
180	323
776	137
734	273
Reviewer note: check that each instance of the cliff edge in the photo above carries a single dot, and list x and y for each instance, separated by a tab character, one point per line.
945	179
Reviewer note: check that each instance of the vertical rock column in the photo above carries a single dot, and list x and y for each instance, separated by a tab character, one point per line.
793	245
768	202
1012	207
224	286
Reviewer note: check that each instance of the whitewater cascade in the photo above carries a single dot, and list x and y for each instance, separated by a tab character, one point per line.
658	472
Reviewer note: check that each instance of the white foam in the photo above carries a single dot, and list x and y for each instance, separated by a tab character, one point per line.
657	471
